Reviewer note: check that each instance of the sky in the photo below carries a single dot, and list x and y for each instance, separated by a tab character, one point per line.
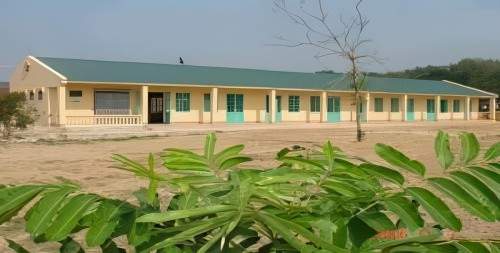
241	33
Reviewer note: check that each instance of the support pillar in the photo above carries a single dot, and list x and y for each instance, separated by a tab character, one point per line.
213	104
437	106
324	107
492	108
367	107
272	106
405	108
61	94
49	109
467	108
144	103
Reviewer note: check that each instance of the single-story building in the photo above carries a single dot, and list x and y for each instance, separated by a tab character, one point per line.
76	92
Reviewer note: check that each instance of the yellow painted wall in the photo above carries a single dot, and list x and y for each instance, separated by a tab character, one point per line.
474	108
386	114
347	106
304	114
195	114
450	115
36	78
255	101
84	106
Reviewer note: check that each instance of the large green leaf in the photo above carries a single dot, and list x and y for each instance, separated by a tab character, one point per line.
41	215
469	147
215	238
69	215
111	247
462	198
377	220
231	162
16	247
180	214
406	211
185	163
12	199
329	153
139	233
70	246
341	187
359	231
493	152
436	208
301	162
386	245
398	159
383	173
478	189
189	234
471	247
228	152
442	149
105	220
209	150
288	177
488	177
287	231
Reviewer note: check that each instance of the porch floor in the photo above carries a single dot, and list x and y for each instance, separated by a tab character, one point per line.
182	129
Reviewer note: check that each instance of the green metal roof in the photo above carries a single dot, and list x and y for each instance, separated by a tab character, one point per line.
78	70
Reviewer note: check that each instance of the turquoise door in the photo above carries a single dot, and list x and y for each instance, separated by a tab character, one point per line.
235	108
333	110
278	108
410	110
431	110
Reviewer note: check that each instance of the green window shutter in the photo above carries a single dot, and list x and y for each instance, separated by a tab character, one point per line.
239	102
456	105
231	102
267	103
444	106
379	104
293	103
394	104
315	104
182	102
206	102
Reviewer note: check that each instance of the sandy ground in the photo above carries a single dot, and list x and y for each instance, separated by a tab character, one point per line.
88	162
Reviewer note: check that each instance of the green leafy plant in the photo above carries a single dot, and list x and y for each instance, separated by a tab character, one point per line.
15	113
316	200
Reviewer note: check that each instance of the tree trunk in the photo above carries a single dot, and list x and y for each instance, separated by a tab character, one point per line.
355	85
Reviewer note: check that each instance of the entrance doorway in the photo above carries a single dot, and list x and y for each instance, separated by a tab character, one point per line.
234	104
431	110
333	110
410	110
155	112
278	109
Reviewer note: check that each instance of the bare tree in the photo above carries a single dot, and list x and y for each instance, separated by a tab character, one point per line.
345	41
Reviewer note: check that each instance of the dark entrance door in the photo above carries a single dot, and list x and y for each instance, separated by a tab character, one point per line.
155	101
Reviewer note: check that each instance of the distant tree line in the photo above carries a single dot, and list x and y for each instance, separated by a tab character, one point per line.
478	73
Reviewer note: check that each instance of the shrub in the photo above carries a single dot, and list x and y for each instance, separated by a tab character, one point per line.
319	200
15	113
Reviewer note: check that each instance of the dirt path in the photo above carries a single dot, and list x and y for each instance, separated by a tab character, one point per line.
89	162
